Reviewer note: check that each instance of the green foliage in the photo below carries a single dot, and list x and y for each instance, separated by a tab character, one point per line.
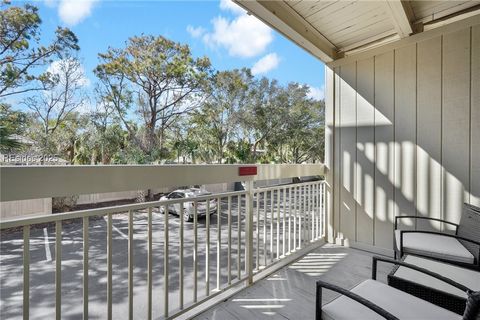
218	120
21	52
11	123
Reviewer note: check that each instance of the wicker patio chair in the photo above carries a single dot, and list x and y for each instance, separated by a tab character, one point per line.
461	248
372	300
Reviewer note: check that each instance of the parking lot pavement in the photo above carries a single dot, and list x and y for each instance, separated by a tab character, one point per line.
43	255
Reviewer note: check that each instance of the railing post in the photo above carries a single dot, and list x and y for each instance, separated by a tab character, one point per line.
249	231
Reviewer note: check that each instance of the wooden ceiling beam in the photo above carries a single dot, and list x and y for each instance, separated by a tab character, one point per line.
402	16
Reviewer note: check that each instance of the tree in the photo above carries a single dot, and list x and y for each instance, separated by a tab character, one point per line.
54	106
160	78
11	123
108	134
302	136
265	113
218	118
21	53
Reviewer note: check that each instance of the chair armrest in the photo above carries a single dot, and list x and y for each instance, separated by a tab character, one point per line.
425	218
322	284
449	281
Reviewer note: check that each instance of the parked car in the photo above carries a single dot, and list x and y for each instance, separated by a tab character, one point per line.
189	206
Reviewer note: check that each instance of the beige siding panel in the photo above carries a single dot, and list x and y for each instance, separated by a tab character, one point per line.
384	149
337	157
348	150
475	122
429	129
405	131
426	133
365	168
455	121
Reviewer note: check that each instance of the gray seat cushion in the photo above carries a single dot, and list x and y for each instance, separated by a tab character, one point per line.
435	246
467	277
398	303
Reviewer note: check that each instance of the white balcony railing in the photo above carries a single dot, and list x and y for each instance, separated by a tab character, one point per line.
250	232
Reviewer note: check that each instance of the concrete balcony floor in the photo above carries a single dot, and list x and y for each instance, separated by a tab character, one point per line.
290	292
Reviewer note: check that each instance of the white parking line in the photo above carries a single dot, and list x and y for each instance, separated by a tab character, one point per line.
48	254
123	235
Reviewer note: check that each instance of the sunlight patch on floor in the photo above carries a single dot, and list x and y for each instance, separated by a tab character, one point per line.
266	304
317	264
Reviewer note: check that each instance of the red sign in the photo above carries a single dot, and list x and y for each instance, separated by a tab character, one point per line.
247	171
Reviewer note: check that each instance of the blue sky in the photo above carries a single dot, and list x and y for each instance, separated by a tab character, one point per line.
219	29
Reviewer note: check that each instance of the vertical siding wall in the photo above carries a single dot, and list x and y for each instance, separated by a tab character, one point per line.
403	134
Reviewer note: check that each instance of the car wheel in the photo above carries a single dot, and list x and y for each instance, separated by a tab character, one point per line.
186	216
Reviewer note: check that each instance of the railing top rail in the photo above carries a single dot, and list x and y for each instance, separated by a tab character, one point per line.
33	182
287	186
17	222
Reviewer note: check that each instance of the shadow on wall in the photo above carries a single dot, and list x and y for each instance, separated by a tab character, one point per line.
405	136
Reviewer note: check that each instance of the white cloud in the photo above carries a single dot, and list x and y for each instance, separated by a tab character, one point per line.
266	63
196	32
229	5
245	36
72	12
316	93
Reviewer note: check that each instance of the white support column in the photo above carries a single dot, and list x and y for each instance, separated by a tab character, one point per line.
249	231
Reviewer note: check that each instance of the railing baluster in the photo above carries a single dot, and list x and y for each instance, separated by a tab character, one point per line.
318	210
312	212
278	224
85	267
246	246
130	264
165	261
301	197
219	241
58	270
322	211
303	216
257	262
229	240
283	220
272	212
149	265
180	258
195	251
229	247
307	215
294	218
26	272
109	266
265	202
207	251
249	232
289	220
239	238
